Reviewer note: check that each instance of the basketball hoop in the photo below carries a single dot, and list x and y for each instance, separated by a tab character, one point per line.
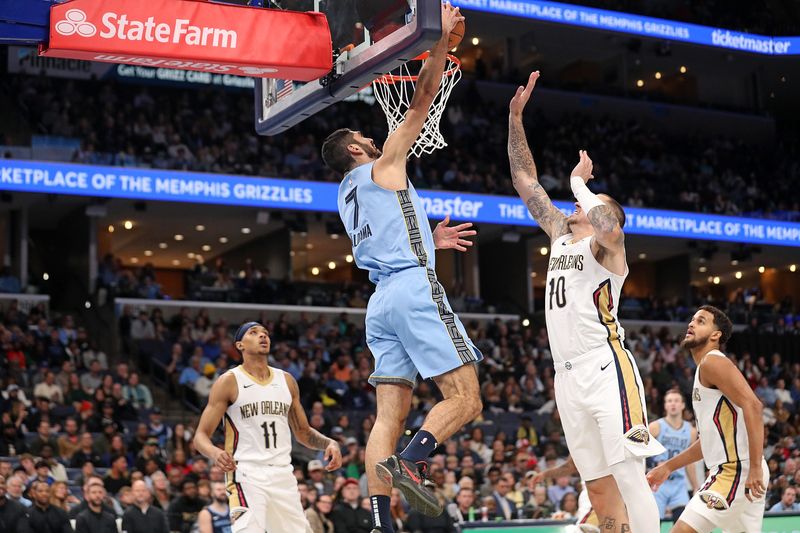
395	90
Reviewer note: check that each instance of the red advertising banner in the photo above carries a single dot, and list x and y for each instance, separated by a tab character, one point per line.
192	35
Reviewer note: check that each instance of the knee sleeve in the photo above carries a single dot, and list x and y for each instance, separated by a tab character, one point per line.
639	499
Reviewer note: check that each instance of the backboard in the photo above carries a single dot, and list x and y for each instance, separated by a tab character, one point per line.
370	38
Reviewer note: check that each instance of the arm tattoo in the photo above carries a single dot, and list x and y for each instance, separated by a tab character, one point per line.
603	219
316	440
526	182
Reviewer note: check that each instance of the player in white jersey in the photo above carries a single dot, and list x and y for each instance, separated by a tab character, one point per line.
599	393
261	409
731	437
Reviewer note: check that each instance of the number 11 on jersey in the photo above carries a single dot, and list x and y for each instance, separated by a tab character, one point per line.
274	435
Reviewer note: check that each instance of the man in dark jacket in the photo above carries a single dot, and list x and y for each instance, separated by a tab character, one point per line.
43	517
95	519
11	512
183	511
348	516
141	517
90	481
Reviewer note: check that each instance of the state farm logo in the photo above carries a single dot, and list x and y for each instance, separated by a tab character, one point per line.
176	31
75	22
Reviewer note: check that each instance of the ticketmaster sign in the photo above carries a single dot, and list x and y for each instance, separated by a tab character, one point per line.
195	187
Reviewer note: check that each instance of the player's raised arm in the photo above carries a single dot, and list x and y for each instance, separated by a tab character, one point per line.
523	169
607	230
390	169
308	436
721	373
223	392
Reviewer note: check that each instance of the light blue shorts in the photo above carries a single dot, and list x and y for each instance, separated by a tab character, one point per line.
671	494
412	330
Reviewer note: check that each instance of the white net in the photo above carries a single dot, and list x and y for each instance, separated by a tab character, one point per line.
394	92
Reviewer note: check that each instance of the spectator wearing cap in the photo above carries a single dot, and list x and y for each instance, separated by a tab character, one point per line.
11	442
85	453
43	437
49	388
348	516
14	394
12	513
95	518
316	477
117	476
43	517
183	511
158	429
202	386
150	452
136	393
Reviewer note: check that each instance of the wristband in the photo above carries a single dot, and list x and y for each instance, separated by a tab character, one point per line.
586	198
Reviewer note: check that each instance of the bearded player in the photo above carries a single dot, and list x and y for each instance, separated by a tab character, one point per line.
731	437
598	389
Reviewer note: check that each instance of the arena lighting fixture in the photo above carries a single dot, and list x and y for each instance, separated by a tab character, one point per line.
148	253
162	245
223	240
332	265
642	255
476	41
309	246
716	280
200	227
190	255
533	274
658	75
640	83
111	228
178	237
45	276
792	268
525	322
738	275
683	69
543	250
134	260
761	270
87	304
246	231
702	269
734	262
128	224
315	271
176	262
334	236
206	248
348	258
291	253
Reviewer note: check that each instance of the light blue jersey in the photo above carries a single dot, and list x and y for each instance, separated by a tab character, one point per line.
411	328
674	491
389	229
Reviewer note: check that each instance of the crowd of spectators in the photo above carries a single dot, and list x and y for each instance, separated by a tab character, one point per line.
80	427
199	130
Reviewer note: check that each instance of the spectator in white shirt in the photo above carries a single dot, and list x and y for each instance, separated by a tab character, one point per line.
49	389
782	394
142	328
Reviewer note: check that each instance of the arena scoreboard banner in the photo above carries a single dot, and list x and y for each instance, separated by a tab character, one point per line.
602	19
272	193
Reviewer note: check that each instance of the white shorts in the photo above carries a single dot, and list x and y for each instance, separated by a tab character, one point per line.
600	399
265	498
731	511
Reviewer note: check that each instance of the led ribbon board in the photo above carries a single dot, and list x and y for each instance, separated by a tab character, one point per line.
272	193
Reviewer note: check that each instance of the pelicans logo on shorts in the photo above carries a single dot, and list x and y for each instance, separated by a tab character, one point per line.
713	501
696	395
639	435
237	514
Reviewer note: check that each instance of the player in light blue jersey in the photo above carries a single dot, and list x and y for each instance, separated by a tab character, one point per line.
676	434
411	328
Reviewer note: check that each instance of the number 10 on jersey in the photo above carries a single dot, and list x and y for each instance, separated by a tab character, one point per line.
559	290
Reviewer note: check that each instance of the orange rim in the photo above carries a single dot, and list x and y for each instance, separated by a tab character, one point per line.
394	78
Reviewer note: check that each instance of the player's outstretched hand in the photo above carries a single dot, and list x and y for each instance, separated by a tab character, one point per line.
224	460
523	94
657	476
754	488
445	236
333	454
584	166
450	17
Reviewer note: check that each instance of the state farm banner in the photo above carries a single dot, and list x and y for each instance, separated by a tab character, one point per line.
193	35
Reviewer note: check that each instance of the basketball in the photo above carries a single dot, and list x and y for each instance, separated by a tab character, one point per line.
456	35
